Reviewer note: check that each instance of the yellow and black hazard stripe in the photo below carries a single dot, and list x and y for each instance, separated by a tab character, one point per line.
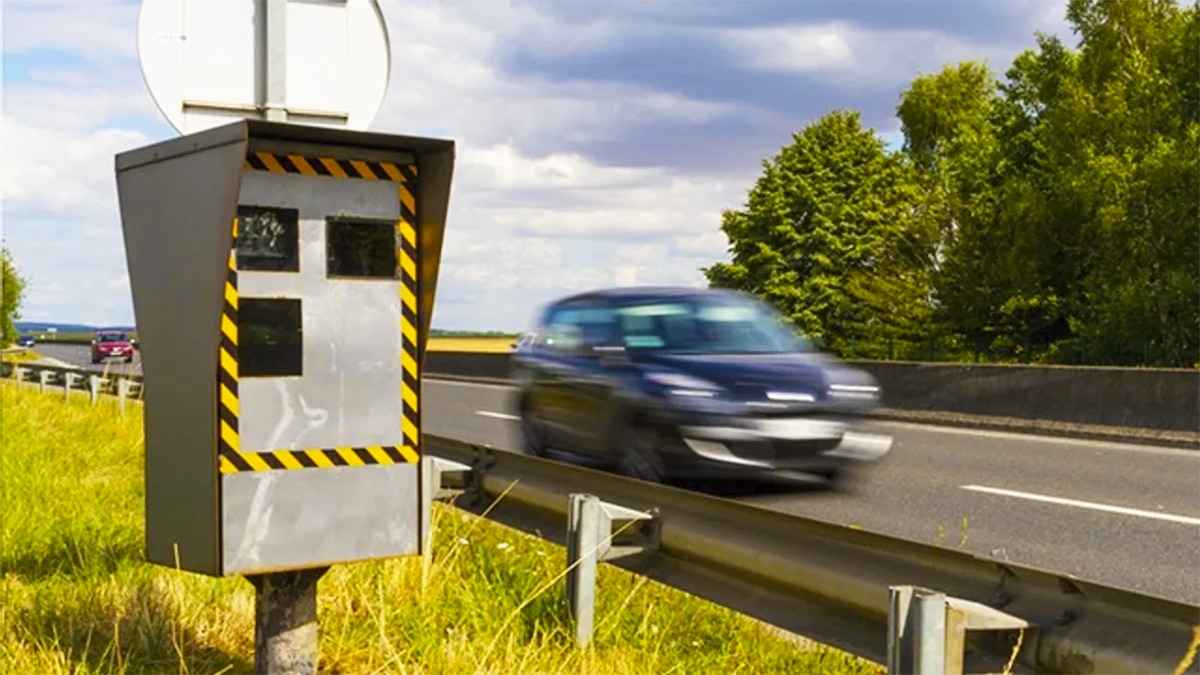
410	289
324	458
231	457
227	369
315	165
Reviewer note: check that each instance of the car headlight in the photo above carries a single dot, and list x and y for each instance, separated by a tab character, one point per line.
679	384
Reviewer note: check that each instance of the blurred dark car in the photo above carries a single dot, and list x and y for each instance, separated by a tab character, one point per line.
25	341
108	344
689	383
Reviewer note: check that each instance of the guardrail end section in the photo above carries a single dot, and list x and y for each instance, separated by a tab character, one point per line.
927	630
437	476
445	473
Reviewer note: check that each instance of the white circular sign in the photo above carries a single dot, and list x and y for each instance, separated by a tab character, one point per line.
209	62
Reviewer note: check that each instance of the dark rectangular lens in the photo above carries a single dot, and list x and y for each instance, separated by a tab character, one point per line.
361	248
268	239
270	337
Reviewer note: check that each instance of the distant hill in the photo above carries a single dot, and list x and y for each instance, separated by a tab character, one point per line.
43	327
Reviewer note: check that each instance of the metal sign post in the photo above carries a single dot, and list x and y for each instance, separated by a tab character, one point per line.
283	278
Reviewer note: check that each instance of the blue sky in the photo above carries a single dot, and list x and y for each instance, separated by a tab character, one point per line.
598	141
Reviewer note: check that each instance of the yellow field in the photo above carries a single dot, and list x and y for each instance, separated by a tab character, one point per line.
470	344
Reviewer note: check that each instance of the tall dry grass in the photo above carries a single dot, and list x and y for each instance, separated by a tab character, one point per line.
77	598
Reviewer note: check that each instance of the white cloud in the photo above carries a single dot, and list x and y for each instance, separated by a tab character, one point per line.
445	78
94	29
70	173
796	49
529	221
850	56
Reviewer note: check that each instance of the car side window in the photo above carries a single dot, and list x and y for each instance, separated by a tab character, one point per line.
572	328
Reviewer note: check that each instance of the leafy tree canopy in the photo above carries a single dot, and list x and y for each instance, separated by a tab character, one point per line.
1050	214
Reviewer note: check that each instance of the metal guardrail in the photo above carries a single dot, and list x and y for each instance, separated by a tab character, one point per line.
125	387
915	607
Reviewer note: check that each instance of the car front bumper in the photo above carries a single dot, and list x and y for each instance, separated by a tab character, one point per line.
726	446
114	354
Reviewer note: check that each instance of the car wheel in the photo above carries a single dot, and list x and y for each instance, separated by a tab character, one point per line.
532	440
637	446
129	359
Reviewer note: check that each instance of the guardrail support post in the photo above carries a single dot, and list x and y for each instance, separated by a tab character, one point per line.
68	378
94	388
19	375
122	392
927	630
590	537
433	471
44	379
285	622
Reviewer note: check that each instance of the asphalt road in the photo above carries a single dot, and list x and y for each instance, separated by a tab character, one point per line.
1123	515
79	355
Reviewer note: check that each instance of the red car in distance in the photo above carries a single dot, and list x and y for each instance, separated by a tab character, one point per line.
109	344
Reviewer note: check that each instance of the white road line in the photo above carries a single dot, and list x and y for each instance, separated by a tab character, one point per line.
1073	443
497	415
1186	520
432	378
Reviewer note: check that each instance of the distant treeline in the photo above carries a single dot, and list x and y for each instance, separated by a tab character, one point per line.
1052	215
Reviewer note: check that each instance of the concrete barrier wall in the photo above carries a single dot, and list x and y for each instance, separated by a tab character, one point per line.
1167	400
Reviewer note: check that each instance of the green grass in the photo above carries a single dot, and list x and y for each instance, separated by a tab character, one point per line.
22	356
77	598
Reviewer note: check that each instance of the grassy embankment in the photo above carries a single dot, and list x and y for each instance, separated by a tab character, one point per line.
19	356
76	597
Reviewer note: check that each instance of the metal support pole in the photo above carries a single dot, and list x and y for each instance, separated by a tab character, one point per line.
19	375
94	388
583	533
275	61
927	631
68	378
916	631
44	379
596	534
285	622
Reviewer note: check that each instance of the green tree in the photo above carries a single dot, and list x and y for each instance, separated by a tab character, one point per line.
11	294
1051	215
948	121
818	215
1136	169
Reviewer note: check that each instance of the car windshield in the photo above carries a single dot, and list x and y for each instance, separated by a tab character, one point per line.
707	325
111	337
